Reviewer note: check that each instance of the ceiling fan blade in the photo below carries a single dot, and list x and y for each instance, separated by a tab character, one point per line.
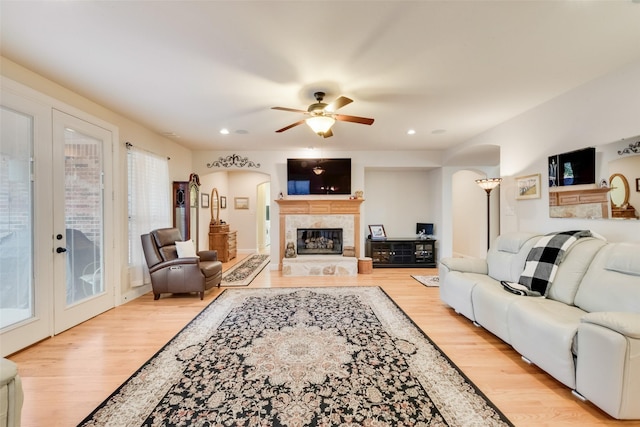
339	102
354	119
293	110
327	134
290	126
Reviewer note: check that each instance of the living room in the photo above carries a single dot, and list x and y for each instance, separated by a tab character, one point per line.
423	185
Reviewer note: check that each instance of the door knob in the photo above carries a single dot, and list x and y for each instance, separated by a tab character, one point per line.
61	250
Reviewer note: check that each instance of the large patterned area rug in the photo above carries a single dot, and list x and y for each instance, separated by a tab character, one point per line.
341	356
245	271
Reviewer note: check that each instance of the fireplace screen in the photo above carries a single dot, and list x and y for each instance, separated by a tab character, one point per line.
319	241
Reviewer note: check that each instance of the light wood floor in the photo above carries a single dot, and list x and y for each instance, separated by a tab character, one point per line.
67	376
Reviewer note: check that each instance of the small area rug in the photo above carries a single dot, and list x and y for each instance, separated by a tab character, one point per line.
431	281
336	356
245	271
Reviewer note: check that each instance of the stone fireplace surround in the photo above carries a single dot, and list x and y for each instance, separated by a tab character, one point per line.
316	213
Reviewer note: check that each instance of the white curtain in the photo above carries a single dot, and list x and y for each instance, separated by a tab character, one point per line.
149	206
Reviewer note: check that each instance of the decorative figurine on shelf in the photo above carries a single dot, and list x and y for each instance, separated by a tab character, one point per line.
290	252
280	196
359	194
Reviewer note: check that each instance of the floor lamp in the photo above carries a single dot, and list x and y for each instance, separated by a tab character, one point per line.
488	184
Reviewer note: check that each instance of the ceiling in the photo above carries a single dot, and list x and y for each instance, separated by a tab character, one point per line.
450	70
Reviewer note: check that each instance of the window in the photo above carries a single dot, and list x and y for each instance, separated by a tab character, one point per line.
148	205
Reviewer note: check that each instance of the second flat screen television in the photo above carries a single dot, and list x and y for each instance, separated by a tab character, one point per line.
573	168
318	176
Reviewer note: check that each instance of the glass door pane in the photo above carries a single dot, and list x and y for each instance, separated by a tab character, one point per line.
16	218
83	215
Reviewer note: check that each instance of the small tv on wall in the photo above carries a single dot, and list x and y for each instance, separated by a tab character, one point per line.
318	176
573	168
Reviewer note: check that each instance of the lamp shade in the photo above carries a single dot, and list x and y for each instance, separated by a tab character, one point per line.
320	124
488	184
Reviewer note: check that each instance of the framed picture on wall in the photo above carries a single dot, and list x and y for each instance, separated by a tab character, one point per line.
223	202
528	187
241	202
204	200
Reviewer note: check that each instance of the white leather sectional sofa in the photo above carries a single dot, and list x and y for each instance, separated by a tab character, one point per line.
585	331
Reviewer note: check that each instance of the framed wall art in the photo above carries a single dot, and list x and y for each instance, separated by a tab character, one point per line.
528	187
241	202
204	200
223	202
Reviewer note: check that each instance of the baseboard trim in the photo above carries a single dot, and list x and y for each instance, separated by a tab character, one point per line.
135	293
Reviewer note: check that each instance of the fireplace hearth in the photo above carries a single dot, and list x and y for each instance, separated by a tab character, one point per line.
319	241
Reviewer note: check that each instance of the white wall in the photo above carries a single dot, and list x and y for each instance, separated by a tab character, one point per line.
602	111
469	213
398	199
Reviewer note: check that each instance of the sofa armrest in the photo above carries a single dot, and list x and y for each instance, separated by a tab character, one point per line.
466	265
210	255
625	323
608	362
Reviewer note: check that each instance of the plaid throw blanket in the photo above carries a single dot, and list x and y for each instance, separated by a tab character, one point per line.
544	258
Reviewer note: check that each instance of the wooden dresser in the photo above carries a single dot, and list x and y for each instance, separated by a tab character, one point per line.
223	241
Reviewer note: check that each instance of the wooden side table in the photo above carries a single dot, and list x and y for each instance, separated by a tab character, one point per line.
223	240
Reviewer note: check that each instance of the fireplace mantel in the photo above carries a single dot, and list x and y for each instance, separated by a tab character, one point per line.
319	207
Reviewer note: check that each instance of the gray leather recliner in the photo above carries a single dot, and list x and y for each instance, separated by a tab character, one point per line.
170	274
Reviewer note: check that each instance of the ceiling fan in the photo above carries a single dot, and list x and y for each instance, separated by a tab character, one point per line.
322	116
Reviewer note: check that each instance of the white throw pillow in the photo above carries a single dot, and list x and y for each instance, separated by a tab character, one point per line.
186	249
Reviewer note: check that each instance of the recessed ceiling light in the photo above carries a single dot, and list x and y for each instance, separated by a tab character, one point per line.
411	132
224	131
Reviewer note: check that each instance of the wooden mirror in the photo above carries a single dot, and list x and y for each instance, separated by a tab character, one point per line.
215	207
619	193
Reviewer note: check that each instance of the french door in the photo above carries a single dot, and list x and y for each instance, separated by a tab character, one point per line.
80	152
54	217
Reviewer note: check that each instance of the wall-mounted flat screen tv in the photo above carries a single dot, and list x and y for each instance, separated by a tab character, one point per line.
573	168
318	176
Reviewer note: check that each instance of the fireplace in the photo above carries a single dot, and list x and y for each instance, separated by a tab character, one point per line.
319	241
319	213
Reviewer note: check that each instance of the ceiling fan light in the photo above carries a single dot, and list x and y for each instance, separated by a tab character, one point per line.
320	124
318	170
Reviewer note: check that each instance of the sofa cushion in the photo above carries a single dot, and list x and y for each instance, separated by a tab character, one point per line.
570	272
491	305
513	242
505	264
604	289
544	331
624	258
